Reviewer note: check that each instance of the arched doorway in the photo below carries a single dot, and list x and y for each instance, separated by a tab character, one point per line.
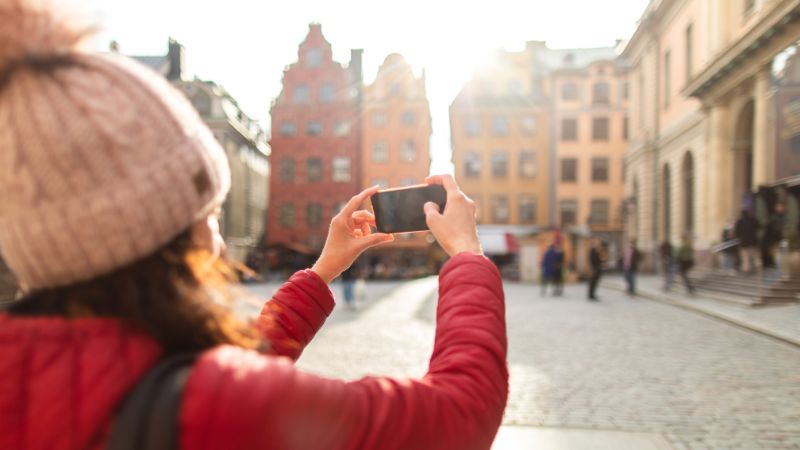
687	178
743	158
666	207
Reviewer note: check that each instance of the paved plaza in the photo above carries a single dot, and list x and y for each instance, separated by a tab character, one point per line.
620	373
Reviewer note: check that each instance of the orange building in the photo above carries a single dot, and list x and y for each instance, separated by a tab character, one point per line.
396	130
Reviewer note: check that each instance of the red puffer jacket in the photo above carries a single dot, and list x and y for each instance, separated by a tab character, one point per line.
60	380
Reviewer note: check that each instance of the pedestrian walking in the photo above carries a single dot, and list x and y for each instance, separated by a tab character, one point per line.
596	264
746	230
110	192
630	263
667	263
349	278
685	260
772	235
552	269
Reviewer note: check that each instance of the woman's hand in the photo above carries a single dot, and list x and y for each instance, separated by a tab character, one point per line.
455	229
348	236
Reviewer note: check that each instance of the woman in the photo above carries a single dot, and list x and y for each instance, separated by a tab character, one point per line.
109	190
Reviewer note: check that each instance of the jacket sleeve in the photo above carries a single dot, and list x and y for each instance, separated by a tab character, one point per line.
237	399
295	313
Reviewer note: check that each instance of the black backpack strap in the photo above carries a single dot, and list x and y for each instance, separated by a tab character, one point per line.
148	417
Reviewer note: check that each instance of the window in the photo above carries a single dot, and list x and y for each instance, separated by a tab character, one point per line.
499	126
625	128
485	87
408	151
286	215
625	90
341	169
667	81
327	93
689	51
314	128
472	165
569	129
314	57
314	169
288	129
569	91
527	164
313	214
300	94
394	89
598	213
499	164
287	169
383	183
408	182
341	128
472	126
527	209
527	125
500	210
600	129
380	152
599	170
408	118
568	212
337	207
600	94
569	170
379	118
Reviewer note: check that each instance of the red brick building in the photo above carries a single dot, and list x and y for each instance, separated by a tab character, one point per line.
316	142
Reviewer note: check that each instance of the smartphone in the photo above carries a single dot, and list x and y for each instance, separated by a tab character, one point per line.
400	210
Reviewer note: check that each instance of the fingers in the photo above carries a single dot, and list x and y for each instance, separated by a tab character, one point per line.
363	216
355	202
375	239
445	180
432	213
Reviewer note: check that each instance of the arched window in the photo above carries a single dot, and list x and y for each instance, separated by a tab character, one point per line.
687	171
666	207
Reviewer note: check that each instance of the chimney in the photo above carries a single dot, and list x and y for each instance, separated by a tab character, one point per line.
177	60
113	47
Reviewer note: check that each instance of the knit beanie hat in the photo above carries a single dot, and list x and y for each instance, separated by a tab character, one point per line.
102	162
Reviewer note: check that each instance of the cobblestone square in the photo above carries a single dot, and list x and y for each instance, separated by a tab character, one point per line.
621	364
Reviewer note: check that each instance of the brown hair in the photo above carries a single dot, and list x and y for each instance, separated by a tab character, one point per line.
177	295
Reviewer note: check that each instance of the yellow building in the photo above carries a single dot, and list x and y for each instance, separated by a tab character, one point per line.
499	128
702	118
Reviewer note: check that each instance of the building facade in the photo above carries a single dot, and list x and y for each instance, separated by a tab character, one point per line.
500	131
244	211
316	145
589	94
396	130
701	116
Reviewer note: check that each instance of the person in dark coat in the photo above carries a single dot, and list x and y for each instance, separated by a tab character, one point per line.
630	263
685	259
667	263
552	269
746	230
596	263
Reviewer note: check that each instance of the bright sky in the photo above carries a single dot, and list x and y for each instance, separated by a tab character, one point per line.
245	45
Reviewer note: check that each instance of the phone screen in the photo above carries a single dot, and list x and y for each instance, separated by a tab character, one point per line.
401	210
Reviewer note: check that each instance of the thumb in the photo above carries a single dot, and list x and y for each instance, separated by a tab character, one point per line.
431	212
375	239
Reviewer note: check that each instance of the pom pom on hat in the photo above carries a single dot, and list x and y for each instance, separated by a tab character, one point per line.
31	29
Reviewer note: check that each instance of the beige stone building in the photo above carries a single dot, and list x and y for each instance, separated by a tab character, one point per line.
702	119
